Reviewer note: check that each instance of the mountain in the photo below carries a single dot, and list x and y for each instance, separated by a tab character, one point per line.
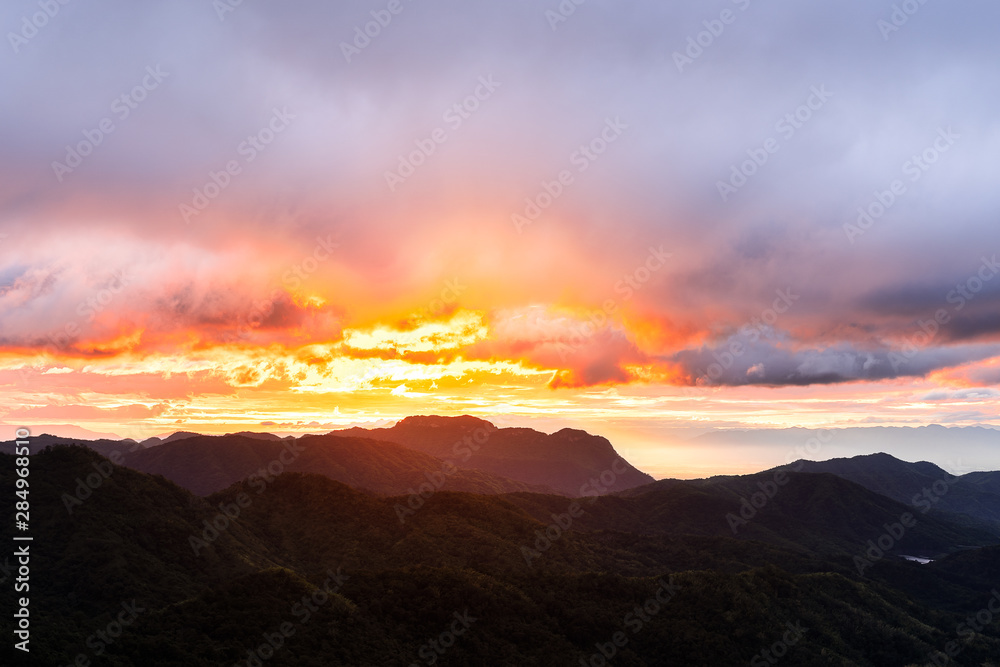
414	452
259	436
107	447
66	431
814	513
988	482
206	464
312	572
974	496
177	435
113	449
567	461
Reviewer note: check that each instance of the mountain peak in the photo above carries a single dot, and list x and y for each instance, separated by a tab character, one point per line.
563	461
437	421
257	436
573	433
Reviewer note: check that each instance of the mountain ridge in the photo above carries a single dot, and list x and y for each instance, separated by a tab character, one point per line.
566	460
921	484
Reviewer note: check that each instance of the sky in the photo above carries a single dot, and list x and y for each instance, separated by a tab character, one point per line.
645	219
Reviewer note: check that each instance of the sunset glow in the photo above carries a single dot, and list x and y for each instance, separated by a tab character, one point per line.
291	239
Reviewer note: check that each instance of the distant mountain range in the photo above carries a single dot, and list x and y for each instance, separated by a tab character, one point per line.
565	461
953	447
453	453
68	431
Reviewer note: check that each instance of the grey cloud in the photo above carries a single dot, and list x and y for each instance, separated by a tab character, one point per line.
740	361
686	131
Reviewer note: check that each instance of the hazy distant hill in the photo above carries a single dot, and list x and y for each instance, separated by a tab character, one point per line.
66	431
953	447
401	585
565	461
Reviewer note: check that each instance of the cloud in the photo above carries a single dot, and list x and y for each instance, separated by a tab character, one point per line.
738	361
100	266
70	412
961	395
